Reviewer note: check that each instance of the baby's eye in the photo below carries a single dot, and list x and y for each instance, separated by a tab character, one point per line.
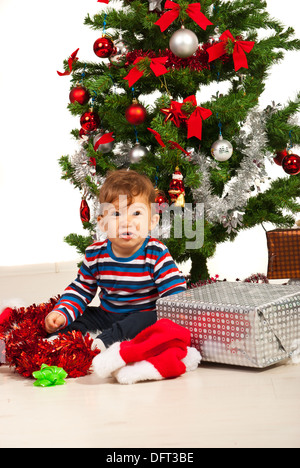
137	213
115	213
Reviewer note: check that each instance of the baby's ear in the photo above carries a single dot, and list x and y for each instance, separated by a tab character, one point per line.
154	221
101	224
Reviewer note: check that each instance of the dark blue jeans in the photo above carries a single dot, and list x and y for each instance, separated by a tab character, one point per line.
113	327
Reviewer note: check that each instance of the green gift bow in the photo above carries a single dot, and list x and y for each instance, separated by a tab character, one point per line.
49	376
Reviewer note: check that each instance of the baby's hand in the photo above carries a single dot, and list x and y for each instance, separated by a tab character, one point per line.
54	321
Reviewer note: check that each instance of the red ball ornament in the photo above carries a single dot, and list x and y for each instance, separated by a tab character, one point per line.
103	47
136	114
162	202
280	155
79	94
82	133
90	121
84	211
291	164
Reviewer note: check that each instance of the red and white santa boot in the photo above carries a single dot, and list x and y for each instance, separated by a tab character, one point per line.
170	364
7	306
5	314
151	342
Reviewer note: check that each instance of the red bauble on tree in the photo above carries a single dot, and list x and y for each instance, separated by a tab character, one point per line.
103	47
280	155
84	211
162	202
291	164
82	133
79	94
90	121
136	114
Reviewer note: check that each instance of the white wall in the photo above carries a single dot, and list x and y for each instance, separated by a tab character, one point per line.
37	208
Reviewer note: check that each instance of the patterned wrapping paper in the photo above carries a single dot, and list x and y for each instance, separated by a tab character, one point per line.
244	324
284	253
2	352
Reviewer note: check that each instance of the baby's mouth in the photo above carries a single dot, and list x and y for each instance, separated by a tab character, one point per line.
127	235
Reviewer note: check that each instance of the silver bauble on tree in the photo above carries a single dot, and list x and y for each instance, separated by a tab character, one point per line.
103	147
137	153
184	43
118	56
222	149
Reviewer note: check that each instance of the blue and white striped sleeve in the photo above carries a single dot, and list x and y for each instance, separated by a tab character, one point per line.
78	294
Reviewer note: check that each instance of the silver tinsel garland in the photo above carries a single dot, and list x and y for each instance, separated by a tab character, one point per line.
229	209
84	170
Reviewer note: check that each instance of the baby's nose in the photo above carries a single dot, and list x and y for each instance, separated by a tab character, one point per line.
126	220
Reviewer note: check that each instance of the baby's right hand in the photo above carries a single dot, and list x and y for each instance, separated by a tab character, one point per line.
54	321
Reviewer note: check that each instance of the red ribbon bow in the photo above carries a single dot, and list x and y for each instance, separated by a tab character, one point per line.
156	65
106	138
239	52
71	60
174	113
193	10
194	123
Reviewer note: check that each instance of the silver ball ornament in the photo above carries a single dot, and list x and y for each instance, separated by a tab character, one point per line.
137	153
184	43
103	147
118	56
222	149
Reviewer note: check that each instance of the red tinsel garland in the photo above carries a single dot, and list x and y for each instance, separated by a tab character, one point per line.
23	333
198	61
255	278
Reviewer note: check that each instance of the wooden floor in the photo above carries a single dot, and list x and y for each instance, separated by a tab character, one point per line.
215	406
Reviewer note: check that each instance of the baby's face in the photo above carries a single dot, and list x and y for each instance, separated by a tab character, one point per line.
127	225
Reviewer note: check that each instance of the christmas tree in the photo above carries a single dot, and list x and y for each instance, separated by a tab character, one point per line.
140	106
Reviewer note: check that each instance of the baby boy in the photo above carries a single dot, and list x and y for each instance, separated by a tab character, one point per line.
131	269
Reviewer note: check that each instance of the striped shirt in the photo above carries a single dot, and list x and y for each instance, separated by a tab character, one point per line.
131	284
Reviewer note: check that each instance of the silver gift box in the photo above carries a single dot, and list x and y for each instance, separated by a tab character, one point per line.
244	324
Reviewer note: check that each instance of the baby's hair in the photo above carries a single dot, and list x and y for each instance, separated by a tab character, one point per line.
129	183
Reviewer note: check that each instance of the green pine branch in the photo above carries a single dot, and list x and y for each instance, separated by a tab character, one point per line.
81	243
276	205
